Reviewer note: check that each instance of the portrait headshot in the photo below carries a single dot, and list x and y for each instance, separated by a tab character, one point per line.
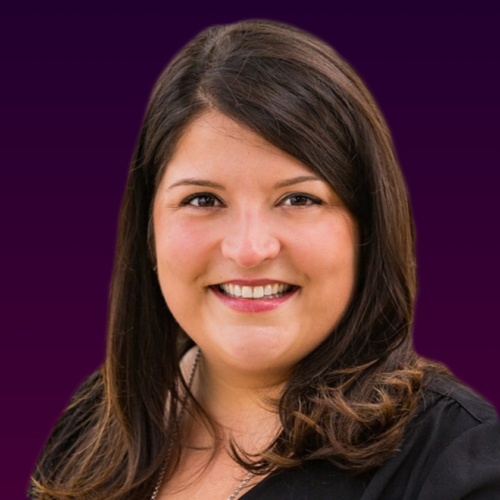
258	260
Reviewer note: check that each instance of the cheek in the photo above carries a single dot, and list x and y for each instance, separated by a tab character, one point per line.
180	247
181	256
328	255
330	246
185	254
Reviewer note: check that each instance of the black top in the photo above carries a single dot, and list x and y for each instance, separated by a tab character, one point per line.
451	451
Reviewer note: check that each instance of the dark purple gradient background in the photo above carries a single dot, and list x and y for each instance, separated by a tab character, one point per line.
76	81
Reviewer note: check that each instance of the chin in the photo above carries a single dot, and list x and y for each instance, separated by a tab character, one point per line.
260	351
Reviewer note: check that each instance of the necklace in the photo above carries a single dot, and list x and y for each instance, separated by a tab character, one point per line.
235	493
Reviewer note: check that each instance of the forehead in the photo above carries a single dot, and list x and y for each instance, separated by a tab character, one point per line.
214	144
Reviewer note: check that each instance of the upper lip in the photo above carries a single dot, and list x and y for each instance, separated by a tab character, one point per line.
259	282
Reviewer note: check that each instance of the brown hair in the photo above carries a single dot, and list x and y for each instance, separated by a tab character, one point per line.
350	399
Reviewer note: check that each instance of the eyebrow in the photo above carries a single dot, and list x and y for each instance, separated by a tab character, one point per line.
206	183
296	180
196	182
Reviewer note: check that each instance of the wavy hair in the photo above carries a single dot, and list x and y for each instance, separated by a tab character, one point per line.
349	400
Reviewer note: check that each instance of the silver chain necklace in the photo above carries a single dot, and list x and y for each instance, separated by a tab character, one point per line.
235	493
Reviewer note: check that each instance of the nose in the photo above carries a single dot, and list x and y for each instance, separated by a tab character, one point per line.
250	240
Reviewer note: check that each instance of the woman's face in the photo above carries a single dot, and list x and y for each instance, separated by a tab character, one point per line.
256	254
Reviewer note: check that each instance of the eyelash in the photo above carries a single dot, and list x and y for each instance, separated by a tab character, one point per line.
307	197
189	199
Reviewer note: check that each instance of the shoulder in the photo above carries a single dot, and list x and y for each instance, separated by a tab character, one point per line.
452	445
81	409
76	420
446	390
450	451
451	408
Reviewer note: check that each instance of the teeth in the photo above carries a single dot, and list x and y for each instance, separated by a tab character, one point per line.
255	292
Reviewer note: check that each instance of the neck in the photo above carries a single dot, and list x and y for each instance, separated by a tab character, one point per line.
240	404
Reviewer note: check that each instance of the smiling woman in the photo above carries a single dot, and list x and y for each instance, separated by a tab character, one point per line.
233	249
262	302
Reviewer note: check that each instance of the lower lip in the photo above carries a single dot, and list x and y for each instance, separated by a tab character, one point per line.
252	305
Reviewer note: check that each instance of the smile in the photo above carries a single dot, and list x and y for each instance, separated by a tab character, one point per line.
268	291
259	298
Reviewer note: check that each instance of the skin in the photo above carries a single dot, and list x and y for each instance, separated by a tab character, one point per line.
222	213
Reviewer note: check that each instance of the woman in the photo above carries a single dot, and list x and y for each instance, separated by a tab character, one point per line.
262	301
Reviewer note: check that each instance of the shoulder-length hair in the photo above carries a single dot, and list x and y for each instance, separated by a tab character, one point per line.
349	400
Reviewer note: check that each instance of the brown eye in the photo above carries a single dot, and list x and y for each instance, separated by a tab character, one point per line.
300	200
202	200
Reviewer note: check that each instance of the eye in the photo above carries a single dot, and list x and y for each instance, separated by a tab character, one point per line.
202	200
300	200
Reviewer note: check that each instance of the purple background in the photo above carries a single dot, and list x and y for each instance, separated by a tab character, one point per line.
76	81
